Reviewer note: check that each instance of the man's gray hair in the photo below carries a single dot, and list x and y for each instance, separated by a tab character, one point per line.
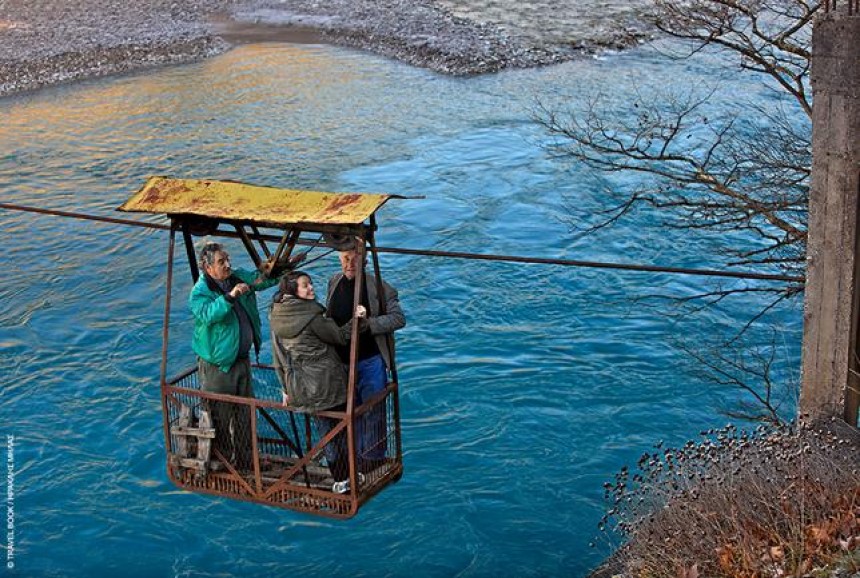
207	253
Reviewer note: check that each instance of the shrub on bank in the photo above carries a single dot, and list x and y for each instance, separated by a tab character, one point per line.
777	501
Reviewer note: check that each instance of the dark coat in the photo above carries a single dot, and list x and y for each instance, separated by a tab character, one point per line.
382	327
305	360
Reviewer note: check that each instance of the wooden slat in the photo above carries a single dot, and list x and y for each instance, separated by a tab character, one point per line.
197	432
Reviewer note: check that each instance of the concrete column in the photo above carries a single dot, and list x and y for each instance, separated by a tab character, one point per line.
831	359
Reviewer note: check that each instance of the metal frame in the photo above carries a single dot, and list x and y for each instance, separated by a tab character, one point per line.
290	485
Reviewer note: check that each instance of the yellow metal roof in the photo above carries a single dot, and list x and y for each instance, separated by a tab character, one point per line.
230	200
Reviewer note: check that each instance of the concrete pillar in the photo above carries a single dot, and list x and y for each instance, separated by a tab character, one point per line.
830	382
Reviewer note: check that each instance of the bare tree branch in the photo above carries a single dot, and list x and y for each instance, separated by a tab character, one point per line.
730	182
771	37
741	170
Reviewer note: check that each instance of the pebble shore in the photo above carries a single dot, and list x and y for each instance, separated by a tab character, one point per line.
45	42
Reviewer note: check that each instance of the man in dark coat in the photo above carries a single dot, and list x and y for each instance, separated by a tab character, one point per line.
375	348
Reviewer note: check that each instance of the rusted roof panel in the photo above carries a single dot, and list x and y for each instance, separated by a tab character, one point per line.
230	200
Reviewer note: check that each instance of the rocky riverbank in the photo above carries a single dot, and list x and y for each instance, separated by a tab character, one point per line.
44	42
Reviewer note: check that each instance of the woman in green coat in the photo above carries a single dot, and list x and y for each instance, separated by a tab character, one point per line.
313	376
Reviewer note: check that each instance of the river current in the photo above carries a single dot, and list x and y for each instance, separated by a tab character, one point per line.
524	387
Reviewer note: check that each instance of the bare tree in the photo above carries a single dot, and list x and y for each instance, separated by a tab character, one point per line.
737	172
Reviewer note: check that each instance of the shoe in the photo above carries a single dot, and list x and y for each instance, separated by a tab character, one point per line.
342	487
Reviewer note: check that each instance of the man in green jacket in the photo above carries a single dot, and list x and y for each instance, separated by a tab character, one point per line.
226	325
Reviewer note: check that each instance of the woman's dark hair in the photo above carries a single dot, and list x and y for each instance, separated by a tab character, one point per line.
289	284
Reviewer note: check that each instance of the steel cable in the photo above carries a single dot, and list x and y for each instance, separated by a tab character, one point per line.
448	254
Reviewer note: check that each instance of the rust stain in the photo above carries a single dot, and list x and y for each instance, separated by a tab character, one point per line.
342	201
153	196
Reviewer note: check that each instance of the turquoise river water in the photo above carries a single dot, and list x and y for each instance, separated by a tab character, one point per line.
524	387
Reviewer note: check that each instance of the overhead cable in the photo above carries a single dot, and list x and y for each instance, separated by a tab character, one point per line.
449	254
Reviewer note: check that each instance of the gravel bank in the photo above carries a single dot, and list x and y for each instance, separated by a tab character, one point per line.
422	33
44	42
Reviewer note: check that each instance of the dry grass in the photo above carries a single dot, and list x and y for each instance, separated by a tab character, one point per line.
778	501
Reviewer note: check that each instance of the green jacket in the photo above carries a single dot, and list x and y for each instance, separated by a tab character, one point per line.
305	360
216	324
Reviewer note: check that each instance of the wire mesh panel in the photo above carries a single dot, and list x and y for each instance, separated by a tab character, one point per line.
261	450
378	447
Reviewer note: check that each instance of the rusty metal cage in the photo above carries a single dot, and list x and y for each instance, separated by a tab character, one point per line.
259	448
264	451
